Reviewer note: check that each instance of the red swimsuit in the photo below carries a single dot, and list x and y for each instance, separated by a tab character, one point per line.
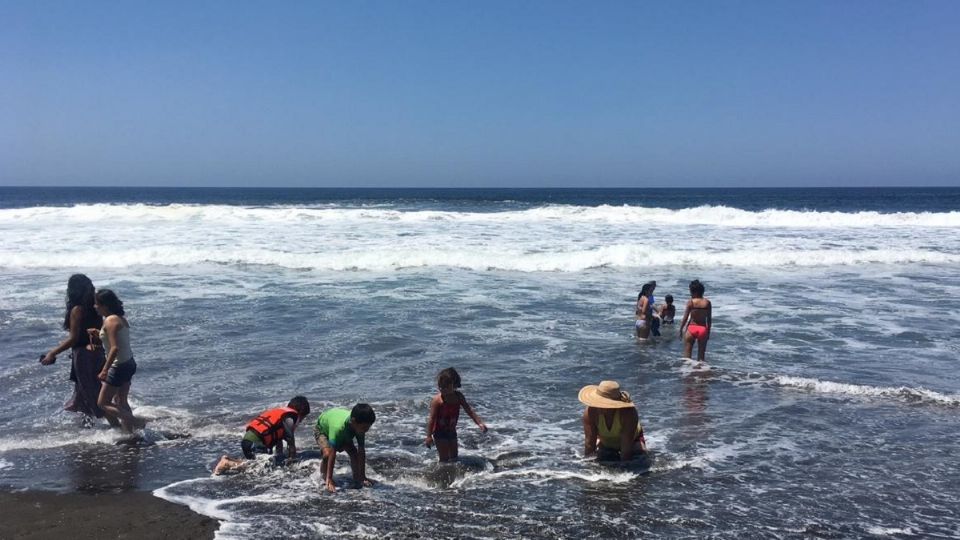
697	331
447	417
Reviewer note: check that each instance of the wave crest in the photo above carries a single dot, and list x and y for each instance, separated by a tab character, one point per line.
719	216
914	395
621	256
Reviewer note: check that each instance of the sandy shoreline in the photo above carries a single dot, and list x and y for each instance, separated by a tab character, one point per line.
132	514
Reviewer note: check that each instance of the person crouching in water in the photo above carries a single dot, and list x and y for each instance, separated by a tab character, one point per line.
668	311
335	431
444	413
267	432
611	424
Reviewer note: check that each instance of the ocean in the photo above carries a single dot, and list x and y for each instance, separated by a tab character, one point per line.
830	407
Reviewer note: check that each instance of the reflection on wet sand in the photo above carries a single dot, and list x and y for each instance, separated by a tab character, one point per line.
696	421
100	468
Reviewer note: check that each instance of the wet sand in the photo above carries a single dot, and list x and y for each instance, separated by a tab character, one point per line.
133	515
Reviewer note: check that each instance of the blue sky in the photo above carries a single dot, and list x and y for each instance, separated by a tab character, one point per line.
519	94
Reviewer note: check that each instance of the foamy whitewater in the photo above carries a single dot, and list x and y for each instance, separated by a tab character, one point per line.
830	405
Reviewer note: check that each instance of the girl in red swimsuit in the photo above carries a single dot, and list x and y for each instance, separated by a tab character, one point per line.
444	413
699	313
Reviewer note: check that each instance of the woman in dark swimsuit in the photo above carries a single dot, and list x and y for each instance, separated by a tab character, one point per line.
699	315
86	355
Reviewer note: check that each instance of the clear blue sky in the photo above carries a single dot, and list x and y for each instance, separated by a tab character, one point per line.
467	94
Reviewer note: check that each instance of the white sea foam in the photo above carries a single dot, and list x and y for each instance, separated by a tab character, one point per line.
890	531
387	259
899	392
201	505
542	475
61	439
703	459
547	239
4	464
720	216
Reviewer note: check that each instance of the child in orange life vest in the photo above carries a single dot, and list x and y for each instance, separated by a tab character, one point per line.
267	432
444	413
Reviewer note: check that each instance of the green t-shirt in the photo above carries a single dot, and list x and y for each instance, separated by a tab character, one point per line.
335	425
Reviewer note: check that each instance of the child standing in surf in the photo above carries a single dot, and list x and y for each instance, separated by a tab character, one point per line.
444	413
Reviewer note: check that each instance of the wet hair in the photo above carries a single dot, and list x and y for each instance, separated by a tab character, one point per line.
448	376
301	404
668	298
80	292
645	290
362	413
108	298
696	289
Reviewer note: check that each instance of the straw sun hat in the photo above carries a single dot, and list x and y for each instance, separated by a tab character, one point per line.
606	395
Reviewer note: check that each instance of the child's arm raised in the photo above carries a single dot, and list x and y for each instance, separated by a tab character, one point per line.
431	419
476	419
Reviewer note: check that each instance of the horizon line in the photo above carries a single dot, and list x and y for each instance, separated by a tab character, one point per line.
611	188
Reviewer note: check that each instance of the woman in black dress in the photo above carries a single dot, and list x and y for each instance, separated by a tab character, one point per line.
82	322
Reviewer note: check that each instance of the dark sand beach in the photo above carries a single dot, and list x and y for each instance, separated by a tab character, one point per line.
133	514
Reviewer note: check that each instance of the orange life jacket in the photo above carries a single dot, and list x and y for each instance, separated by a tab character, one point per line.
269	425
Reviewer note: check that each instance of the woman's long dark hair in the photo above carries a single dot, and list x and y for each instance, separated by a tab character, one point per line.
644	290
109	299
80	292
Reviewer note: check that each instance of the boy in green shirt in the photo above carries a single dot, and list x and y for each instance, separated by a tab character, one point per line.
335	432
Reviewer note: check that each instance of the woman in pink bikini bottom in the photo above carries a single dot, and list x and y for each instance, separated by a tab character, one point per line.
699	315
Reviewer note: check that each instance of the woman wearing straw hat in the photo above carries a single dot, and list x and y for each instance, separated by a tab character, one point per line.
611	424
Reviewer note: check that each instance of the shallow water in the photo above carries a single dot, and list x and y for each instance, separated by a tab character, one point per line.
829	408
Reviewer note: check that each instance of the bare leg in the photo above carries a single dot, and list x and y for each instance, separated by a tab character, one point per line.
687	345
124	404
112	420
446	449
644	332
701	350
105	402
107	393
455	450
228	464
121	399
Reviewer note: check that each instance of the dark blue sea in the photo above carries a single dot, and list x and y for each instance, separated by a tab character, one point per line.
829	405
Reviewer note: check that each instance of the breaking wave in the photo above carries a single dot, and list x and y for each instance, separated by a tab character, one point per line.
387	259
719	216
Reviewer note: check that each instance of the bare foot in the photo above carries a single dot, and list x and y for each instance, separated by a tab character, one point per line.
223	465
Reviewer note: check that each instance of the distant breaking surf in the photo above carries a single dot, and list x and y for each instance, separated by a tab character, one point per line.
718	216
